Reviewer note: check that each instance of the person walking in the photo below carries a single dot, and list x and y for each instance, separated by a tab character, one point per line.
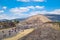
9	32
4	35
2	31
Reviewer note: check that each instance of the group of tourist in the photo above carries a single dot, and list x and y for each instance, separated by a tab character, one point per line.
11	31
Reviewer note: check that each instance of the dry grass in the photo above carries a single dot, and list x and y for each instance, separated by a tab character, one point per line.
20	34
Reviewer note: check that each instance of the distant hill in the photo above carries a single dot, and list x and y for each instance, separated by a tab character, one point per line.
17	19
20	19
53	17
3	20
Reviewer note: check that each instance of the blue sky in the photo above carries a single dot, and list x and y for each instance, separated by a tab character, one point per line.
11	9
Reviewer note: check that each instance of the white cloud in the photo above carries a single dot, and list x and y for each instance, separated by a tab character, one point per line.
24	0
56	11
30	7
4	7
36	12
19	10
1	11
35	7
32	0
40	7
3	16
39	0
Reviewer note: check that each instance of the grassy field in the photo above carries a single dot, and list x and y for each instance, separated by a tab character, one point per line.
20	34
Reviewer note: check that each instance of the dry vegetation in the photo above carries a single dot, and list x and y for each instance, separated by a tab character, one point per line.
7	24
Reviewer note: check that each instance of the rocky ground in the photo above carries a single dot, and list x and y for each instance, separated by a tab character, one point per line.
46	33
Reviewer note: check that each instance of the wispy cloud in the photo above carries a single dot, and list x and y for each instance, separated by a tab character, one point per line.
24	0
22	12
40	7
1	11
4	7
19	10
56	11
3	16
31	0
39	0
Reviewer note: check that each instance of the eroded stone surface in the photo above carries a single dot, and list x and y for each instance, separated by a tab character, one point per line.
46	33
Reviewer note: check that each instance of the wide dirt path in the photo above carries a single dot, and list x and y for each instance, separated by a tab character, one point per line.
20	34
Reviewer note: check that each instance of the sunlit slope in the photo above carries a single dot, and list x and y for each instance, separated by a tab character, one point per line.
39	17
